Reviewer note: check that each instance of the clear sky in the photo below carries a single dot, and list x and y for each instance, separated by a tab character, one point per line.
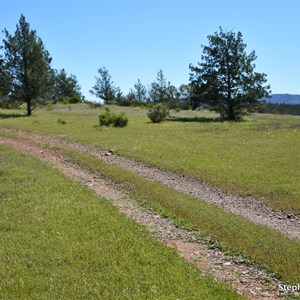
134	39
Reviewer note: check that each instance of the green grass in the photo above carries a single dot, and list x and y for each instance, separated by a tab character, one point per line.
257	157
59	241
267	248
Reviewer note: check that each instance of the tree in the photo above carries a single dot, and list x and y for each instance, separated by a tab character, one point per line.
173	96
140	92
5	83
225	77
119	98
66	87
185	96
104	88
27	63
158	91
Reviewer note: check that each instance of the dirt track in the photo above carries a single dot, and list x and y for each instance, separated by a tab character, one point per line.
248	207
246	279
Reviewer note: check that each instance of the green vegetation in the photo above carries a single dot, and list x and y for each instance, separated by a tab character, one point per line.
61	122
58	240
107	119
224	80
26	75
225	77
281	108
158	113
104	87
257	157
65	88
271	250
27	66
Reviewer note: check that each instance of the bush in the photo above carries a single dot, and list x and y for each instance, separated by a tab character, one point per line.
119	120
75	99
61	121
158	113
107	119
70	100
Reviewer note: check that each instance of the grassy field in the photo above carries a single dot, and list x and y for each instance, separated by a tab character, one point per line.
239	237
257	157
59	241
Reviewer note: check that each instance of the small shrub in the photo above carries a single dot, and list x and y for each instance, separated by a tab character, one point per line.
75	99
60	121
119	120
158	113
107	119
65	100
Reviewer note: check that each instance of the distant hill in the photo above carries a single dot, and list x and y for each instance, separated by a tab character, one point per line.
284	98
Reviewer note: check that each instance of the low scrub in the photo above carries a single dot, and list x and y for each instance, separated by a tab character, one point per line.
158	113
61	121
110	119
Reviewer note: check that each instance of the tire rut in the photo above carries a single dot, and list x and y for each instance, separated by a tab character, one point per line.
247	280
248	207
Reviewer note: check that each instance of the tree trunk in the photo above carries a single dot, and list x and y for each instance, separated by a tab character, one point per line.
231	114
28	107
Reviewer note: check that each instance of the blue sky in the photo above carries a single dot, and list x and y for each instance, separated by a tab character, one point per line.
134	39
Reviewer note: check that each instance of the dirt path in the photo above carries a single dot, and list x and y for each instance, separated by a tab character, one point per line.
246	279
248	207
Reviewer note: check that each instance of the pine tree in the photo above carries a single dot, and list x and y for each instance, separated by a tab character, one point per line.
28	64
104	88
225	77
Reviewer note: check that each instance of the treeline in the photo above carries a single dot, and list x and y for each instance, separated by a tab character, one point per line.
280	108
26	76
224	80
159	91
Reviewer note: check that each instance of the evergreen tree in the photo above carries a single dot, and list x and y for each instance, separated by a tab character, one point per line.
5	83
225	77
27	63
104	88
173	97
140	92
158	91
185	96
66	87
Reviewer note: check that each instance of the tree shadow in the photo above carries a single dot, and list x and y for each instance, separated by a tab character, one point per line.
195	119
9	116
